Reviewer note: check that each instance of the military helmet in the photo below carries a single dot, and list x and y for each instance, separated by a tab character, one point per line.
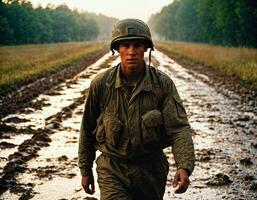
129	29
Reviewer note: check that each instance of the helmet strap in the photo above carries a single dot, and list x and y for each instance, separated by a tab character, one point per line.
150	53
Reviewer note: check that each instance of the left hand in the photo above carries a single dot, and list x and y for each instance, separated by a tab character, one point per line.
88	184
181	180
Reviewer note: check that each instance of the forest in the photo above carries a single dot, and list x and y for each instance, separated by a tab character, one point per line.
229	22
21	23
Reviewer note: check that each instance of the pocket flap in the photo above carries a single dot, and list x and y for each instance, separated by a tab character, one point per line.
112	123
152	118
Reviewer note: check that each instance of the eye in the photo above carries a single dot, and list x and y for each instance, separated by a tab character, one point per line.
125	45
138	45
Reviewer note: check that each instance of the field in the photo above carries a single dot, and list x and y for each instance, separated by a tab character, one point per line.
19	64
239	62
39	143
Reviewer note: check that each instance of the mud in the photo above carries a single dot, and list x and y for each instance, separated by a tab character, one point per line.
223	83
39	143
21	95
4	145
219	179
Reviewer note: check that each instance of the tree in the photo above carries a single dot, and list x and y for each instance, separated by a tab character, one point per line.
230	22
20	23
6	33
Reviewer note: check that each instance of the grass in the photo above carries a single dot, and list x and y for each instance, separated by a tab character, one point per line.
241	62
19	63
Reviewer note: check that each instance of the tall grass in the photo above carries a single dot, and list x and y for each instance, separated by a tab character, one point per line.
18	63
241	62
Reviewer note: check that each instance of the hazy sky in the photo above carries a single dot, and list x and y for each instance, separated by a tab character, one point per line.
120	9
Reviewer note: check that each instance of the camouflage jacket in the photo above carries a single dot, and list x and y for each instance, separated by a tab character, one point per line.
132	125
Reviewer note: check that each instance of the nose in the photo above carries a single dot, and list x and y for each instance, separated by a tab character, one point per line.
131	49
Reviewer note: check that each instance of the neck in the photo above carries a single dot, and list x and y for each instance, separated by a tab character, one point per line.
131	76
130	80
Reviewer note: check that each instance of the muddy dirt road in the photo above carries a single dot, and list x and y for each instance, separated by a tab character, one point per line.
39	144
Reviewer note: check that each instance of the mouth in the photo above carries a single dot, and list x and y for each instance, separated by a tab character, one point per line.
131	60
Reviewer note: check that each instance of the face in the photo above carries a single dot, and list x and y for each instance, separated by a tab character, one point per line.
132	55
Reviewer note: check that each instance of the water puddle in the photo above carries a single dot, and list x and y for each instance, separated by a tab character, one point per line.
224	137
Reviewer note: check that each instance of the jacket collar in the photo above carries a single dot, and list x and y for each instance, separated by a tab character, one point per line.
145	84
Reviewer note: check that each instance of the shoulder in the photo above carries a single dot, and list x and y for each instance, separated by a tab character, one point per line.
163	79
101	78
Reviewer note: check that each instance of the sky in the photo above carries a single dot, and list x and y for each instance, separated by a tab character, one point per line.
121	9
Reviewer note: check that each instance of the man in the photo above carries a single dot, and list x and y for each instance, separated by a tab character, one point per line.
133	112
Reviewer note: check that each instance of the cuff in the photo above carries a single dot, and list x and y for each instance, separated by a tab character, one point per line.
86	172
188	168
187	171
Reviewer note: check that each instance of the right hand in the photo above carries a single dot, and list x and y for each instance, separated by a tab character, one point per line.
88	184
181	181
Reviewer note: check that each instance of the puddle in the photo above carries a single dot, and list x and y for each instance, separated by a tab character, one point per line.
224	136
217	126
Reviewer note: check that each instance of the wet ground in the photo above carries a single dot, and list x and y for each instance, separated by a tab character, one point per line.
39	144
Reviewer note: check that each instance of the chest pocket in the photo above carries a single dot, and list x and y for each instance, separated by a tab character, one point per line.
113	128
109	127
151	127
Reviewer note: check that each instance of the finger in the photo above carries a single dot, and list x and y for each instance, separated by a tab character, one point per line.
181	188
89	191
178	189
93	186
183	185
175	181
86	188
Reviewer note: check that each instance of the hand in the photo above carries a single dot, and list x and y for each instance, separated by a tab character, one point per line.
88	184
181	180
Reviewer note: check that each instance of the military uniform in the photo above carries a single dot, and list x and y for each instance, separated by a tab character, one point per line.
131	127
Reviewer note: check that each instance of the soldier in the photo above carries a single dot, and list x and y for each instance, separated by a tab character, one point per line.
133	111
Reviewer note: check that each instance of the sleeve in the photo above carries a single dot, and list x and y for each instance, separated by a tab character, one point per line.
178	130
86	152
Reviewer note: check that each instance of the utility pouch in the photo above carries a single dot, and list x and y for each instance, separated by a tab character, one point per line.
151	126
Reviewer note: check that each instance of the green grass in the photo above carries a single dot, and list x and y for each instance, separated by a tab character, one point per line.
241	62
20	63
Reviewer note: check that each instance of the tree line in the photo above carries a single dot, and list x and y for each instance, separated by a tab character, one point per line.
20	23
229	22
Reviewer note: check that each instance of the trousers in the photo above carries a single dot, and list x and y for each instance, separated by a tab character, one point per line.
121	179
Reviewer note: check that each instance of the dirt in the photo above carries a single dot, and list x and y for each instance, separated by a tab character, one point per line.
223	83
39	142
21	95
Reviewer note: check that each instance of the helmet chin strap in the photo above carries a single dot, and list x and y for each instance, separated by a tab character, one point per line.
150	54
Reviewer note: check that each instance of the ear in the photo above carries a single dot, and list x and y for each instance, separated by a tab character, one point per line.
145	46
117	47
